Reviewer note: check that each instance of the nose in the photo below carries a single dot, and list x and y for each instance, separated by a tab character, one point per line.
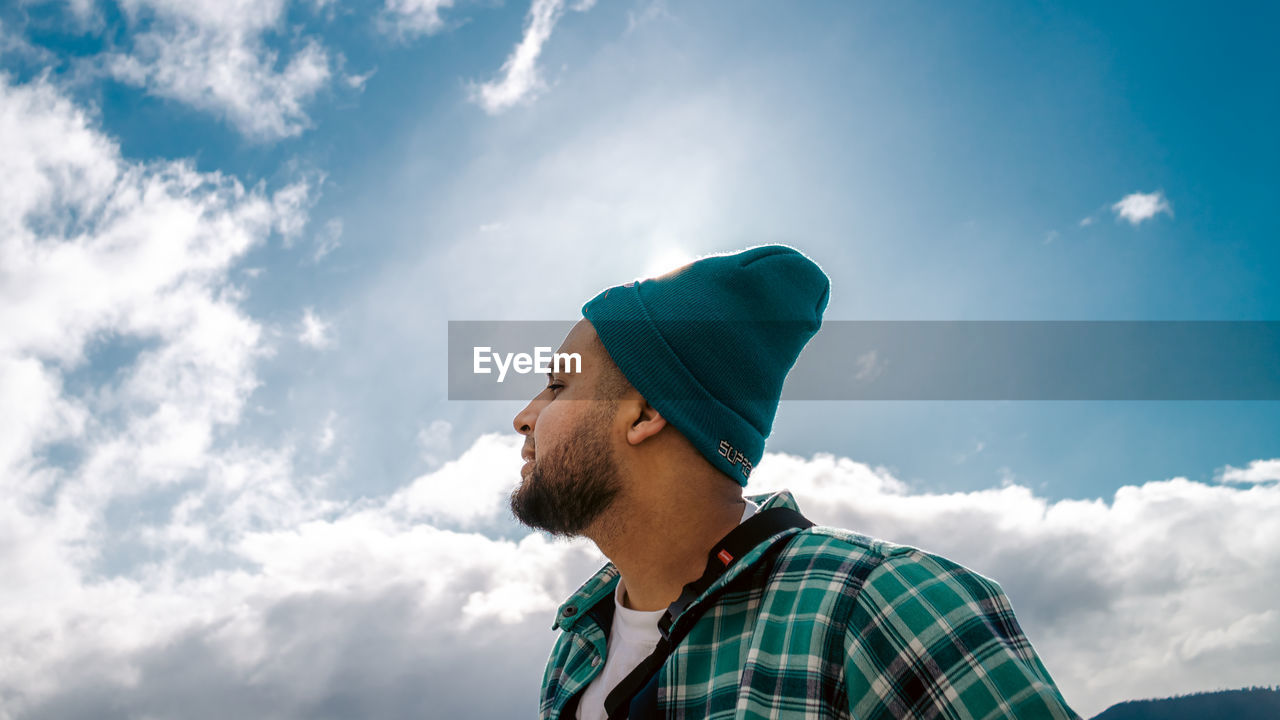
526	418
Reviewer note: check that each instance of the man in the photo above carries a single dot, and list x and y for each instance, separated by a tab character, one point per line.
646	451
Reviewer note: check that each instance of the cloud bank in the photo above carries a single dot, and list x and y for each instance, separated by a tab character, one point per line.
1171	581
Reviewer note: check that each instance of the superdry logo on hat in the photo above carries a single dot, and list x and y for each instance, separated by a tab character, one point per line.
735	456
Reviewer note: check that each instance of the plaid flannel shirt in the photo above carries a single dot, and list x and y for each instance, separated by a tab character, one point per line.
846	627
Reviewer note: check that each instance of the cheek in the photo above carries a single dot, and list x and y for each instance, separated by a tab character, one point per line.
553	423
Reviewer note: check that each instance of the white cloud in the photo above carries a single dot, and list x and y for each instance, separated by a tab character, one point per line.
315	332
650	12
1173	579
869	366
327	433
467	492
85	11
328	239
357	81
964	456
1179	615
1007	477
15	47
520	80
411	18
1258	471
323	611
435	442
1137	207
212	55
291	204
97	250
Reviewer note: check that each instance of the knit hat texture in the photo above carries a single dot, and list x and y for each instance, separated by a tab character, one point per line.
710	343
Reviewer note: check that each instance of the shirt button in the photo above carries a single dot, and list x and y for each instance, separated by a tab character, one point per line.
595	661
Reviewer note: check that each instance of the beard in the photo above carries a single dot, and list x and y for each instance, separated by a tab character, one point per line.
570	487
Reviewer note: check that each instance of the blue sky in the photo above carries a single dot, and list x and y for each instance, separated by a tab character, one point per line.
254	351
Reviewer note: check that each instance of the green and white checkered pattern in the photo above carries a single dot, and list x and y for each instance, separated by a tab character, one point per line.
848	627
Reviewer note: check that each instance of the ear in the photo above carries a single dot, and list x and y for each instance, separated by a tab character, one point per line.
646	422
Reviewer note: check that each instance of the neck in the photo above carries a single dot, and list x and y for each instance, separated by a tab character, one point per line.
659	547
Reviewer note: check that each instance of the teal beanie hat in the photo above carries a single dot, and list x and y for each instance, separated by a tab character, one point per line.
710	343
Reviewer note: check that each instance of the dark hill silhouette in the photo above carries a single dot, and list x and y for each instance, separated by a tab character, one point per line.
1255	703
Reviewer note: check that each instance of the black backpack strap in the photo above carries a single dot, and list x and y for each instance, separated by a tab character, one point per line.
636	696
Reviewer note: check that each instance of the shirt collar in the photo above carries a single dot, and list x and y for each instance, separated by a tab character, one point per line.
605	581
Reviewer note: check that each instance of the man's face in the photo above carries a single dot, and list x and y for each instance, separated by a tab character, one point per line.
571	476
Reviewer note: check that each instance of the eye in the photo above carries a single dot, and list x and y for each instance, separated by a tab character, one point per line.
554	387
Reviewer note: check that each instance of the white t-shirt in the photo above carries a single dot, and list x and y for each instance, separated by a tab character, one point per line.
632	638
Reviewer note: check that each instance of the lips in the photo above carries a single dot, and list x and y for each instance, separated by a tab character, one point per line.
527	455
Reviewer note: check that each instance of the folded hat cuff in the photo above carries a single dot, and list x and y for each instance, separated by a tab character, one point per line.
637	347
